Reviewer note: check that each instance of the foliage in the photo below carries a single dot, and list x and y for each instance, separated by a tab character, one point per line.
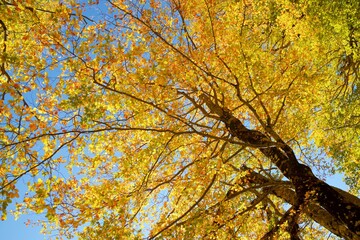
180	119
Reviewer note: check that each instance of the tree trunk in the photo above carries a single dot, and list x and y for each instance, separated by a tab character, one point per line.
308	188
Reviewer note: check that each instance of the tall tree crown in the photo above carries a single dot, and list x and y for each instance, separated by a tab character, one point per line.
180	118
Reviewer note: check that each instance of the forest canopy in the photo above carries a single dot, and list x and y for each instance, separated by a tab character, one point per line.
181	119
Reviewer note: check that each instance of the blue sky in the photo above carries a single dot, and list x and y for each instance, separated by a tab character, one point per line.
17	230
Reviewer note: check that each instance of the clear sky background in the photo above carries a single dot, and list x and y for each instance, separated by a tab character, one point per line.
17	230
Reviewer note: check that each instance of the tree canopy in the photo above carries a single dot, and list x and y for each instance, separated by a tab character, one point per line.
181	119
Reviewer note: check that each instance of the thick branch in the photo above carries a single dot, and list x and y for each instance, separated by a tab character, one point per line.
307	185
311	209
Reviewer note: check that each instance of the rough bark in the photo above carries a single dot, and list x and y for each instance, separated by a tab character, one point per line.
311	209
308	187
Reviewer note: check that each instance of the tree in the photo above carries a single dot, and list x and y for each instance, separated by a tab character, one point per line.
181	119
